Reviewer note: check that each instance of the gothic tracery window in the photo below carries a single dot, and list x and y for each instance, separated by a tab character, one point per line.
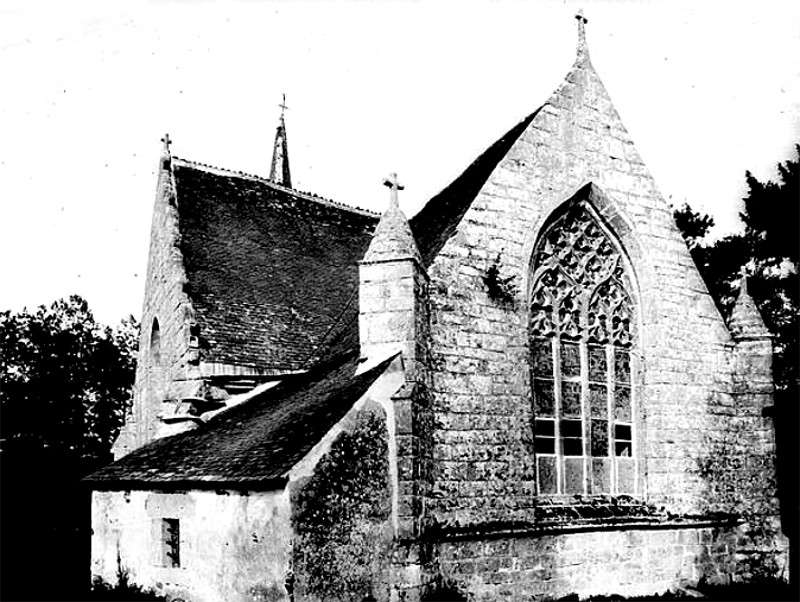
581	337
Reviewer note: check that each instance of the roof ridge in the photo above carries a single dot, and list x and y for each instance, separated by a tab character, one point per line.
310	196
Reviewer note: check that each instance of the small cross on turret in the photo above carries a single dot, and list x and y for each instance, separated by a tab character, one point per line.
167	141
394	185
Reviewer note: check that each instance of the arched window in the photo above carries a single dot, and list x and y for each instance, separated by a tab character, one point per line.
155	343
581	336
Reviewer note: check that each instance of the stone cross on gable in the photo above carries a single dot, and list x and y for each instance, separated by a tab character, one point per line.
394	185
167	141
582	21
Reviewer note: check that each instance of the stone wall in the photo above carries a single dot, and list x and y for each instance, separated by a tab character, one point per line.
627	563
693	395
233	545
176	375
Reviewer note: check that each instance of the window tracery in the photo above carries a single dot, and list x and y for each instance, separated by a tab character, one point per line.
581	335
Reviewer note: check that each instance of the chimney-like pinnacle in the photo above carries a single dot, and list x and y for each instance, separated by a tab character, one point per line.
392	238
746	321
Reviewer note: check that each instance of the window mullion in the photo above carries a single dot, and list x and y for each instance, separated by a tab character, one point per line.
557	413
585	415
611	417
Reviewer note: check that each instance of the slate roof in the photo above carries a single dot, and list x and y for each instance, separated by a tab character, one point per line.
252	444
269	269
438	219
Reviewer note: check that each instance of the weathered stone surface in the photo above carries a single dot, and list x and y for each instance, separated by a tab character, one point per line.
234	545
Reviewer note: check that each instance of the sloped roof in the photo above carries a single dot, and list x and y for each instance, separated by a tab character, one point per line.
269	269
437	221
253	444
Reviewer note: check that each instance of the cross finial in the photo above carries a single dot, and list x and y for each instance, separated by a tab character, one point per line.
583	50
743	276
283	106
167	141
394	185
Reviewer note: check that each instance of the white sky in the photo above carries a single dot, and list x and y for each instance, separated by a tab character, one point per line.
706	89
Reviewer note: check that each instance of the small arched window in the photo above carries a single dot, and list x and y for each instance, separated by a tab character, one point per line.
155	343
581	337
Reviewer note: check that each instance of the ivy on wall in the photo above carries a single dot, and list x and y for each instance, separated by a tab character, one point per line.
341	515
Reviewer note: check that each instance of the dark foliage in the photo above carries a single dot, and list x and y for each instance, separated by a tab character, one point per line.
66	387
122	591
767	251
502	290
342	513
693	225
443	590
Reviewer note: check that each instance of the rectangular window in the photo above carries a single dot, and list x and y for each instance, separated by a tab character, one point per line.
572	437
623	440
170	542
545	436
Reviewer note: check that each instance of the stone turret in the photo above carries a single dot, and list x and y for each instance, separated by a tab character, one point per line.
393	315
753	394
746	323
392	285
753	348
279	172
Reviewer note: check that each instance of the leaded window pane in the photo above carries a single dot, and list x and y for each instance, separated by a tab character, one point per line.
622	404
597	363
570	359
573	475
599	438
571	399
622	366
548	476
598	401
542	354
543	397
601	475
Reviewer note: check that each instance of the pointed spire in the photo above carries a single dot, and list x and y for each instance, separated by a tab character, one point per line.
392	238
583	47
279	173
746	321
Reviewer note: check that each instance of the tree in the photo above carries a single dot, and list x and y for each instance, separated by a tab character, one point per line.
66	381
767	251
66	386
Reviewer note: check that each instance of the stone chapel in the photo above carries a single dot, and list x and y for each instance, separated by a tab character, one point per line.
524	391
